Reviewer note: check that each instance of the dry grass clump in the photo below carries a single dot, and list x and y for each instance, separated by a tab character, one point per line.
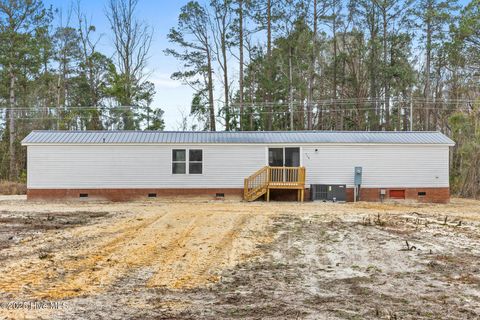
12	188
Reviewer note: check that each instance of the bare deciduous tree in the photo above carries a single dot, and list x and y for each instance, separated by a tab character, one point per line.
132	39
221	25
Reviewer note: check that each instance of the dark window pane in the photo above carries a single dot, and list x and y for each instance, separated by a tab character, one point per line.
178	155
195	155
195	168
275	157
179	168
292	157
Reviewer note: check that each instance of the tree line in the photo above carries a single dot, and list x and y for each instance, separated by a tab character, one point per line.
336	65
53	75
252	65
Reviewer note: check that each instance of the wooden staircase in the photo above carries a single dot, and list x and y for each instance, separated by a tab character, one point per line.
267	178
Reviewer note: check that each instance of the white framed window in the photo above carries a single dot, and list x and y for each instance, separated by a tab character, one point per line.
179	161
187	161
195	161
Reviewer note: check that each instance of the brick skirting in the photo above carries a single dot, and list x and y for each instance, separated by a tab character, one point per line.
432	195
129	194
435	195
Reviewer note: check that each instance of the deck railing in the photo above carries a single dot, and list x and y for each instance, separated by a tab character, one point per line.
286	176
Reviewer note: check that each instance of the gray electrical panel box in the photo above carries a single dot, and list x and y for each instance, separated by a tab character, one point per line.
358	176
325	192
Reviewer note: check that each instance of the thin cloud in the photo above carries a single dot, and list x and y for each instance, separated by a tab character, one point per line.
163	80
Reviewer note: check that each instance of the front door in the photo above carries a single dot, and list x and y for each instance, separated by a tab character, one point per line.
292	157
284	157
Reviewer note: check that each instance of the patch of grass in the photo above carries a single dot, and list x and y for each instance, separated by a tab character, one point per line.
12	188
372	268
45	255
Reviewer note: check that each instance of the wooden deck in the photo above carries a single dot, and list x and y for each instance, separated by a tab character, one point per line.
267	178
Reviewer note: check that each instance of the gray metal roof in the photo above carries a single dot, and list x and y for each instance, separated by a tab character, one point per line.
155	137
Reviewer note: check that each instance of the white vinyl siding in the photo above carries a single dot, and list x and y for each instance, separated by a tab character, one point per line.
226	166
383	166
139	166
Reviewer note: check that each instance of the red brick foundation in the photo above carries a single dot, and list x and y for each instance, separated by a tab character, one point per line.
128	194
435	195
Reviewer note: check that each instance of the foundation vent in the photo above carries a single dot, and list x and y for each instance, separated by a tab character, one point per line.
83	195
152	195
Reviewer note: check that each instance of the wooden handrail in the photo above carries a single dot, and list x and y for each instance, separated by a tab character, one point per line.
256	181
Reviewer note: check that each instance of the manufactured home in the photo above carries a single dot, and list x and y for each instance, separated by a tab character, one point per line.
306	165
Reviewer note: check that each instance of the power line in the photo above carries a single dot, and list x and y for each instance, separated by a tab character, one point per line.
76	117
69	108
340	102
380	99
337	102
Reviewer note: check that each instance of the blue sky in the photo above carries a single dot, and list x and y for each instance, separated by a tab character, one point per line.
161	15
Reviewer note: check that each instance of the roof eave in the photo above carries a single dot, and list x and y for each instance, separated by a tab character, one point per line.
26	144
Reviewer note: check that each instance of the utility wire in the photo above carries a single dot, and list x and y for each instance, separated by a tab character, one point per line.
337	102
76	117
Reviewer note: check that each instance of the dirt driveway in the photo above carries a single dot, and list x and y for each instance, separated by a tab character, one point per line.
198	259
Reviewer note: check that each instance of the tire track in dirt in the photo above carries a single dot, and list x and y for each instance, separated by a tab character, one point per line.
192	264
186	249
95	272
42	277
135	251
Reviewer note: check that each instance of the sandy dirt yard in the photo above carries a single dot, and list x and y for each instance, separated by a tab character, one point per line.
168	259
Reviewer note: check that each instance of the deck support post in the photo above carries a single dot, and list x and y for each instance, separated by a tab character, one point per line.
245	189
268	194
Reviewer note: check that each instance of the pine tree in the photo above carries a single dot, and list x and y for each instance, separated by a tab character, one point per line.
193	35
22	24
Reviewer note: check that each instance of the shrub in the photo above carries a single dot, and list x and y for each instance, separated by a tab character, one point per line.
12	188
